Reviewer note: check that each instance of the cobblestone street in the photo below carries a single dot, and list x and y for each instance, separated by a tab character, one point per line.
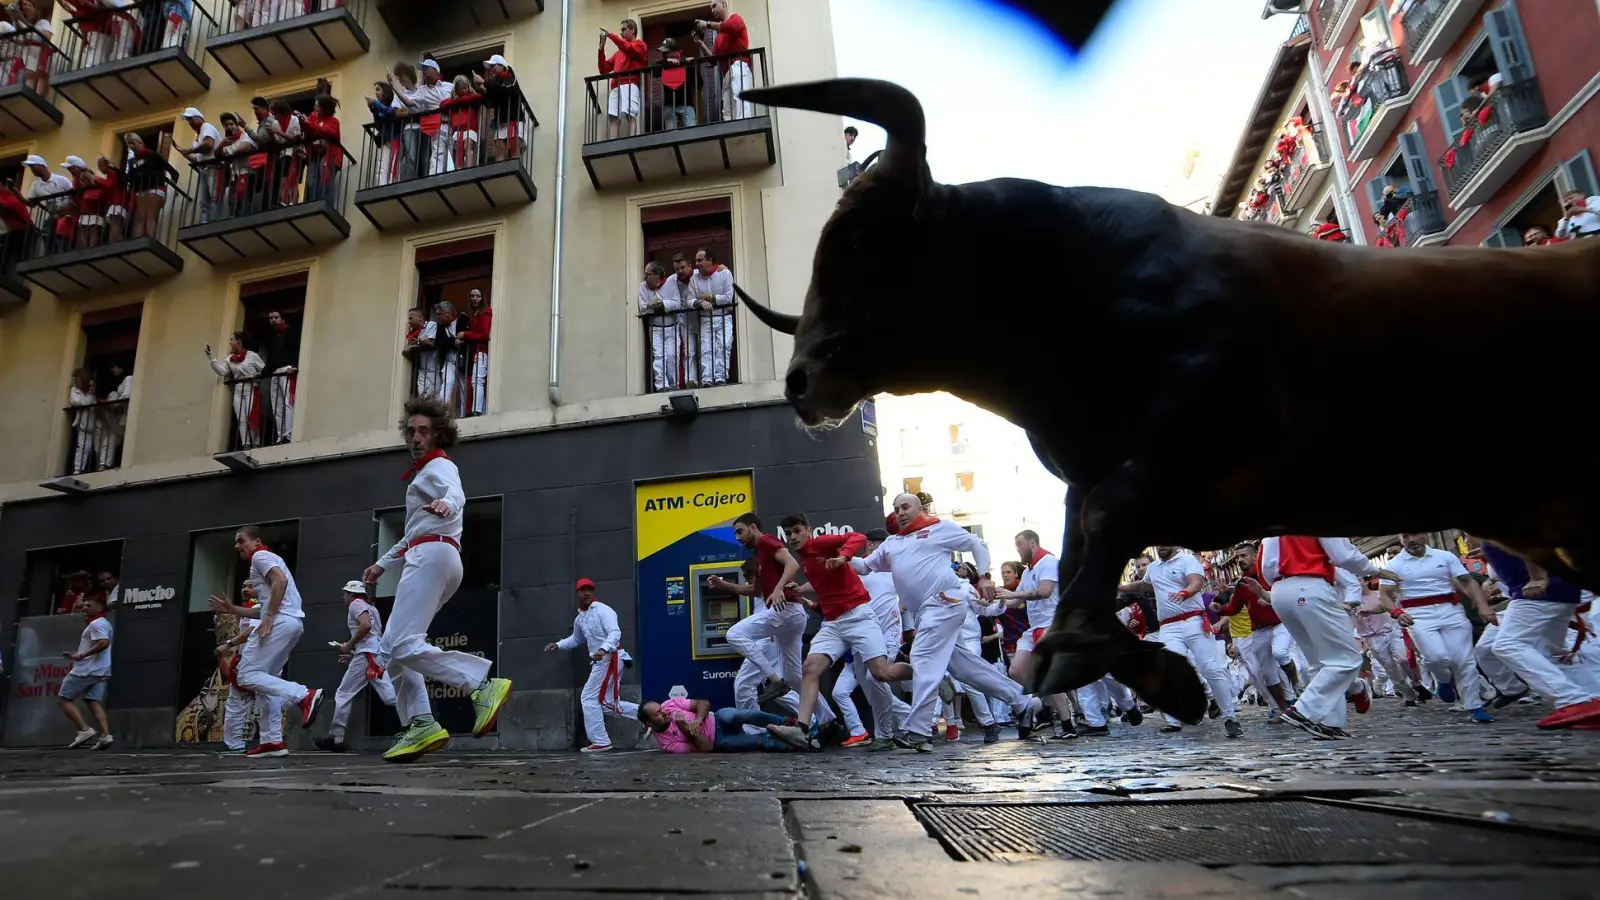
1501	807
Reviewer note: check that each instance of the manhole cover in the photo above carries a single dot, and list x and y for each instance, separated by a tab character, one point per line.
1262	832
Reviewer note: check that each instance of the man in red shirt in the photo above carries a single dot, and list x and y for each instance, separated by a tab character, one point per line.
775	615
848	623
1257	650
737	76
622	105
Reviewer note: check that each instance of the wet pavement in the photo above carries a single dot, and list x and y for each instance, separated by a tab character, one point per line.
1476	810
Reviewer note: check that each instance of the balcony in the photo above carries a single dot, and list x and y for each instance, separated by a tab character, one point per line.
699	134
1308	169
280	38
1498	145
259	410
1424	217
1432	26
689	350
460	377
27	102
118	63
1376	106
410	178
422	21
95	437
1336	19
848	173
66	251
288	199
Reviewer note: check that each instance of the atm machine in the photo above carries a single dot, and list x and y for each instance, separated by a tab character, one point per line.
713	611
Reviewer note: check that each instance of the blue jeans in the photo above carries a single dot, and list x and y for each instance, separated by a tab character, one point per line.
732	738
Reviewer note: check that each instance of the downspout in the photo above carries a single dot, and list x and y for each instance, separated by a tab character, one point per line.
1344	196
561	209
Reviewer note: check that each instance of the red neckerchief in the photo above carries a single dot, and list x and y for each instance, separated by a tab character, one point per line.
1040	554
281	327
259	549
413	334
428	457
237	357
283	122
89	619
1010	584
919	523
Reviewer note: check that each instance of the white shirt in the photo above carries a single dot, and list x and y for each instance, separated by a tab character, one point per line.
885	602
1168	576
1586	222
115	597
438	480
596	628
426	97
920	562
207	130
430	332
667	293
369	644
1429	575
55	184
718	284
1341	552
1349	584
237	371
1042	612
98	665
263	562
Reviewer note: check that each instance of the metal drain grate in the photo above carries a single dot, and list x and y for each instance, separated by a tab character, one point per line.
1262	832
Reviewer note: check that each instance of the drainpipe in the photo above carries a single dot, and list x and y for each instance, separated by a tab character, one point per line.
561	209
1344	196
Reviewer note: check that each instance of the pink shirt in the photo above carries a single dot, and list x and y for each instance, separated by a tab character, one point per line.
672	740
1373	625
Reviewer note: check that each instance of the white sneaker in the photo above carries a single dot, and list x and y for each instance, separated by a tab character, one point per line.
84	737
103	743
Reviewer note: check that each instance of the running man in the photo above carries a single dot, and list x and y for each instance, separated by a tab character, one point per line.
775	616
360	655
431	551
266	651
597	630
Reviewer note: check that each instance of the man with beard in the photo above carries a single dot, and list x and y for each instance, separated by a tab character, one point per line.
1265	650
281	353
1039	594
1178	580
282	622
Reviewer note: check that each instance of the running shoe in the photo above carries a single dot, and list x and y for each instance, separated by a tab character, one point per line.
856	740
486	702
262	751
83	737
424	736
309	704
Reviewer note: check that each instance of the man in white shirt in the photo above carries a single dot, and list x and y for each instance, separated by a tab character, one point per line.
711	292
1039	591
596	629
91	671
268	648
424	99
204	149
1178	579
431	554
49	184
1431	584
1581	216
886	607
112	586
360	654
438	353
661	308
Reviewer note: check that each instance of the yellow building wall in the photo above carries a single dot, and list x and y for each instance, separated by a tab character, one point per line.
353	379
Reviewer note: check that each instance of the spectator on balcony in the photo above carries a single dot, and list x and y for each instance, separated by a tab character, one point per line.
388	115
660	306
110	587
705	36
1329	231
111	183
423	101
147	180
1582	216
33	49
109	31
676	103
473	341
681	285
712	289
438	356
16	215
732	38
53	191
240	371
324	156
113	412
1538	236
417	102
175	16
412	349
502	95
282	359
243	168
850	134
622	103
285	129
91	203
462	114
209	178
85	424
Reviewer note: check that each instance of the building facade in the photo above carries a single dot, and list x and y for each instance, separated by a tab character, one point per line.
1478	113
527	199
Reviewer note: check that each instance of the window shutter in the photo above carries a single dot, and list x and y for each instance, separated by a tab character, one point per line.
1503	237
1418	166
1375	188
1509	45
1447	97
1579	172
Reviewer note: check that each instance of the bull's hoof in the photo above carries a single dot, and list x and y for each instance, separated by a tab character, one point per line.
1163	679
1067	661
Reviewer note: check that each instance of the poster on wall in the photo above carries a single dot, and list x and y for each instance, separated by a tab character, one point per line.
684	530
33	718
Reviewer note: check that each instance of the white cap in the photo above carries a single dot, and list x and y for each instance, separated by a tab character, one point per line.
430	64
496	60
35	159
355	587
192	113
74	162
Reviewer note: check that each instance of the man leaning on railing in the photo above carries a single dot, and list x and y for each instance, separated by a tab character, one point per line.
241	371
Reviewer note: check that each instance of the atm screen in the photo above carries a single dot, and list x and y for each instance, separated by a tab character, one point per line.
716	611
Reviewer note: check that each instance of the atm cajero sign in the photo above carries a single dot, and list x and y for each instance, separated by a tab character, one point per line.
152	598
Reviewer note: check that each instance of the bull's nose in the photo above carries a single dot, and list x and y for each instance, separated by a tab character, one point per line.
797	383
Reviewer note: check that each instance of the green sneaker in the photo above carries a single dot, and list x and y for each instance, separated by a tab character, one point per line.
486	702
420	738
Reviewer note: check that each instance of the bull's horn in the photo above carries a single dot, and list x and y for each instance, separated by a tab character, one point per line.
880	102
773	319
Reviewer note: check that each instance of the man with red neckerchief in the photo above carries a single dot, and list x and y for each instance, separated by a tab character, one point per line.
1266	649
268	647
431	552
1178	580
737	76
1039	593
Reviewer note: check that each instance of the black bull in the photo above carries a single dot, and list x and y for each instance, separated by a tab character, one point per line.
1197	380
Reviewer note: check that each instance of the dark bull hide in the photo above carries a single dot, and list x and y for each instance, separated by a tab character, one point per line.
1199	380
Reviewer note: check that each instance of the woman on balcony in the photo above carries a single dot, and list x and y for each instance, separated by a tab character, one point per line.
110	182
241	371
85	424
33	48
461	117
91	207
324	156
147	179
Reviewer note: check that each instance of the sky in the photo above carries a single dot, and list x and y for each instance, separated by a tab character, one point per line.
1158	79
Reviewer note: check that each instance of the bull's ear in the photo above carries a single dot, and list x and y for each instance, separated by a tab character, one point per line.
883	103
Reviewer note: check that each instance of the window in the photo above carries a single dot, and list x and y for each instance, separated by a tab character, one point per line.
57	578
465	63
958	440
911	485
271	317
1542	209
964	482
101	387
694	348
456	274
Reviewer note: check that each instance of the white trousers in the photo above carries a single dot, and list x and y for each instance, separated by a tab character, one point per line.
670	364
1313	611
716	344
1388	649
1190	638
1492	667
263	658
354	681
601	696
236	713
440	159
1532	636
885	724
935	651
785	628
1256	650
431	575
480	384
1443	636
244	404
747	683
738	78
282	389
999	708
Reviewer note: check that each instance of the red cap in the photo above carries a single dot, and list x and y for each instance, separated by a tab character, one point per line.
584	583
